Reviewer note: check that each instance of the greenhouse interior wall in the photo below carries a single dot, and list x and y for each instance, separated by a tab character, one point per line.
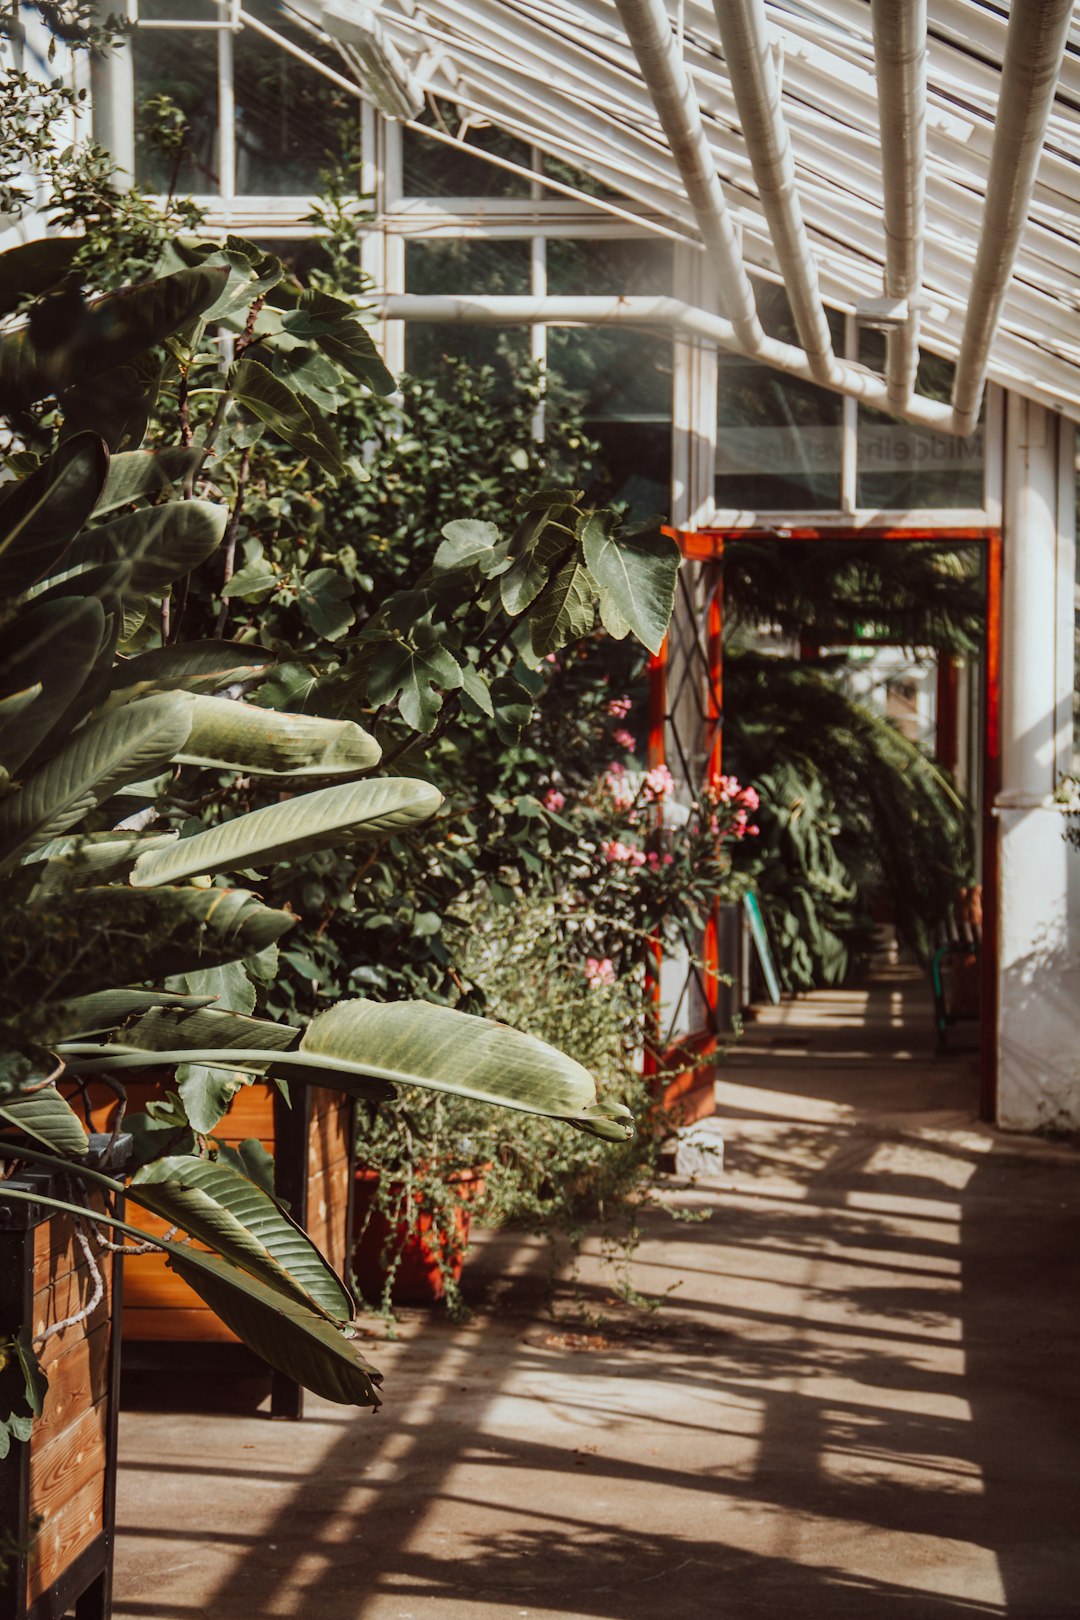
718	442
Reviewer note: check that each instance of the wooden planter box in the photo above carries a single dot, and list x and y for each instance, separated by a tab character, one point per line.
312	1144
57	1492
418	1279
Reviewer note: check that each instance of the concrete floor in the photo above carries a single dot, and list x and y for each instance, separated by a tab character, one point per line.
861	1399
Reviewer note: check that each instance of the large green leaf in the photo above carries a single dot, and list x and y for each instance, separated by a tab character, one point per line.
90	939
635	573
55	645
414	673
122	747
566	610
44	512
34	268
193	666
45	1116
83	858
113	330
291	416
231	1215
331	817
336	328
267	742
298	1341
415	1043
162	543
106	1010
137	475
163	1029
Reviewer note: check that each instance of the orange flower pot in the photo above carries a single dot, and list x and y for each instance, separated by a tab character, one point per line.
421	1272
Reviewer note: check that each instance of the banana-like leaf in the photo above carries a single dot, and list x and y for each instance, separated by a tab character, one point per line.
162	543
193	666
106	334
16	702
135	475
101	936
121	747
325	819
265	742
107	1010
171	1029
231	1215
45	1116
93	857
57	645
41	517
298	1341
33	268
414	1043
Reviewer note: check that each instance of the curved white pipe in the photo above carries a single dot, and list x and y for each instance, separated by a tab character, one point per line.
744	35
648	29
1034	50
670	313
900	54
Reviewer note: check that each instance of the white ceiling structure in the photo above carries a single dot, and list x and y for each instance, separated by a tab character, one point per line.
564	76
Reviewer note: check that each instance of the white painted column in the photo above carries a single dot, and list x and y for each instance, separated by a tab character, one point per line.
112	104
1039	896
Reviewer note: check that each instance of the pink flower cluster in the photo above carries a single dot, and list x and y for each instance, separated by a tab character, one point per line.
553	799
618	786
619	707
615	850
625	739
599	971
729	790
659	783
655	861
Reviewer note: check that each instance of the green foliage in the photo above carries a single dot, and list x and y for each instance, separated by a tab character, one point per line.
912	595
850	810
116	874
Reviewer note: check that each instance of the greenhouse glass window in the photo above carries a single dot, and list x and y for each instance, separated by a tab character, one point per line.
620	379
466	265
902	467
432	169
288	125
779	440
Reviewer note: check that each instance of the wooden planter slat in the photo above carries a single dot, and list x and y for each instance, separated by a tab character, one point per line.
57	1491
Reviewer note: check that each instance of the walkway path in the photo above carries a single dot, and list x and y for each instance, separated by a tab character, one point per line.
861	1401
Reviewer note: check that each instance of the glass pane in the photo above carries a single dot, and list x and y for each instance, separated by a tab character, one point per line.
465	266
900	466
180	10
570	176
432	169
633	468
176	111
615	266
778	442
292	125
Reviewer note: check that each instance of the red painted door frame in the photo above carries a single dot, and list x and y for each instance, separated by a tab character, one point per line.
707	545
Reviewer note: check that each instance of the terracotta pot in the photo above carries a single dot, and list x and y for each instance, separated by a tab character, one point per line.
420	1277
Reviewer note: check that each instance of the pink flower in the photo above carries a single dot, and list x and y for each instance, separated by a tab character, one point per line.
656	860
615	851
553	799
659	783
620	707
599	971
550	658
615	769
625	740
753	831
749	797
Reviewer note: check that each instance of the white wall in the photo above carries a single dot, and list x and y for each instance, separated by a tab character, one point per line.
1039	898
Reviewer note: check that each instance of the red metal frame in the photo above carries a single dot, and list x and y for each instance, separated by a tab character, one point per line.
707	545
